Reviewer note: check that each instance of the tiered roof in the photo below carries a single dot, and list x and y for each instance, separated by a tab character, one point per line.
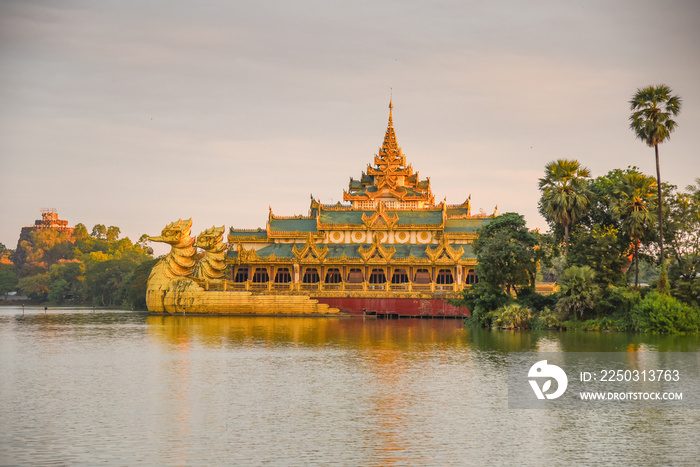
388	197
390	177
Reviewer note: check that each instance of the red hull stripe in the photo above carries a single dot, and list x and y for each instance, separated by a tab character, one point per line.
395	306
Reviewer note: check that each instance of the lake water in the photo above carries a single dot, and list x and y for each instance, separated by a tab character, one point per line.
124	388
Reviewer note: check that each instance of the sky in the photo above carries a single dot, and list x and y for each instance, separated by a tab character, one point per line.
138	113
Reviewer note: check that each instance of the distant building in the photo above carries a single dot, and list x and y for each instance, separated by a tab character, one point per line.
49	221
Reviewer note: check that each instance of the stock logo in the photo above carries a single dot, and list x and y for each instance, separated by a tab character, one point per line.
541	370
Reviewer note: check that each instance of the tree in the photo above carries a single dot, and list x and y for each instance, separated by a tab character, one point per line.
507	253
104	280
605	250
112	233
80	231
8	279
565	195
683	234
99	231
578	291
634	197
653	109
35	287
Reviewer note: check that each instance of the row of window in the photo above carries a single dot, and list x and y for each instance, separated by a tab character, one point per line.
355	276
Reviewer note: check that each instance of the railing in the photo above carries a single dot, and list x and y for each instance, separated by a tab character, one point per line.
342	286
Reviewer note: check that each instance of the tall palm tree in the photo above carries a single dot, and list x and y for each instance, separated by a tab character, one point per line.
633	199
565	194
653	109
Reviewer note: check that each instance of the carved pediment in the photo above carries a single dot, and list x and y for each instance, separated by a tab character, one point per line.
310	251
380	220
376	251
247	256
444	251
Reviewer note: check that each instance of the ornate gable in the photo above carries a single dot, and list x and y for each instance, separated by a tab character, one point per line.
376	251
311	251
390	178
444	252
380	220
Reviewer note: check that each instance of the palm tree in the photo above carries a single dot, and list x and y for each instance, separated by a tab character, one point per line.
565	194
652	110
633	197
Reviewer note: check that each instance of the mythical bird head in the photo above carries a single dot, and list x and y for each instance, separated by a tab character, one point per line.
174	233
210	239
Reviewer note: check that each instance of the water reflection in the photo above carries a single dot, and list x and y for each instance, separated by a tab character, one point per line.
398	334
130	389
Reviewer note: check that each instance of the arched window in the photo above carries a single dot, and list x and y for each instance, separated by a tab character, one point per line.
310	276
261	276
377	276
422	277
283	276
444	277
241	275
333	276
355	276
399	277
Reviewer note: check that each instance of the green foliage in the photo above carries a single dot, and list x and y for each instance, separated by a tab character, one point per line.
96	269
546	319
632	202
683	240
537	302
480	299
58	290
605	323
565	194
602	249
507	253
513	316
662	314
104	280
8	279
36	287
578	293
653	109
135	285
617	301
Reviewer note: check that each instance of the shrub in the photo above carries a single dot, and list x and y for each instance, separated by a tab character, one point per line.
662	314
513	316
546	319
617	301
578	291
535	301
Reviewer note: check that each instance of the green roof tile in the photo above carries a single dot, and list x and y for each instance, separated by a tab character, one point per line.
465	225
260	233
293	225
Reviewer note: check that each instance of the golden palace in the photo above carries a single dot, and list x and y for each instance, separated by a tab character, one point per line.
390	250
